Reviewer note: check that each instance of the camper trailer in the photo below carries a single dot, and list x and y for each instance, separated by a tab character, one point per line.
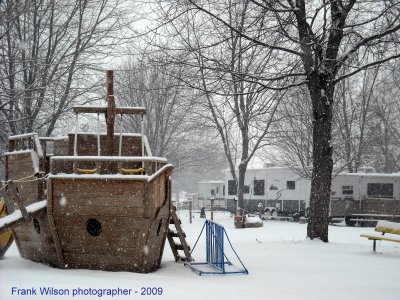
364	197
357	197
278	190
211	189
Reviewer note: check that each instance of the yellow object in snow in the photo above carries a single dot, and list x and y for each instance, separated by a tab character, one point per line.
84	171
6	238
132	171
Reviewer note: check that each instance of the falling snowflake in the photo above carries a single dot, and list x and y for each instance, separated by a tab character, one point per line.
146	249
63	200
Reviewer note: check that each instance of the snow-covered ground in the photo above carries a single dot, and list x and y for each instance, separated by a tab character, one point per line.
282	264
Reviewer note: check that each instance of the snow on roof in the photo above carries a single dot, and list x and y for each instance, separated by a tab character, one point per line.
370	174
211	182
261	168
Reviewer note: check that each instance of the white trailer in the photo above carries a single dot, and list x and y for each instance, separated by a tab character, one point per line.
279	189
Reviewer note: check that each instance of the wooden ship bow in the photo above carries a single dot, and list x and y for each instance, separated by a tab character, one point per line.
108	198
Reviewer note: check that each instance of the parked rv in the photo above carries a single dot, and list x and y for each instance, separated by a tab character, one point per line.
357	197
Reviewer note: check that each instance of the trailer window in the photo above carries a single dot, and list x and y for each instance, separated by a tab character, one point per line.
347	190
259	187
290	185
380	190
232	187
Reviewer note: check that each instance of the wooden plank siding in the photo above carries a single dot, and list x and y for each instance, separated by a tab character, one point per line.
19	166
129	212
36	246
32	245
87	145
134	215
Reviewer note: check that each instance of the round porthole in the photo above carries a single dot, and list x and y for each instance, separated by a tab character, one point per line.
36	225
93	227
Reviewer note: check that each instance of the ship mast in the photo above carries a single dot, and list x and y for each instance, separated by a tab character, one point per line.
110	114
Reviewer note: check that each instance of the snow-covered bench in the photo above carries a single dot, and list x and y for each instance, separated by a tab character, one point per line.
393	229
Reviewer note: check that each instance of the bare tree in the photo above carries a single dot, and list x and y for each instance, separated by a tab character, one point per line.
322	36
225	67
353	99
167	100
171	123
384	142
292	144
48	49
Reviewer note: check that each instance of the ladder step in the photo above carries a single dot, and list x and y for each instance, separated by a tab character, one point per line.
171	221
180	247
173	233
177	232
182	258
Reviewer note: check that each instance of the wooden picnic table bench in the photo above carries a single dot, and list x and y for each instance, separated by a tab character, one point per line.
392	228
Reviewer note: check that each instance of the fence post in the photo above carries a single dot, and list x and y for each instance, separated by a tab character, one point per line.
212	208
190	212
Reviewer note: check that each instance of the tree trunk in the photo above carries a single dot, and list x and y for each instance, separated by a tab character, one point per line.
240	187
322	98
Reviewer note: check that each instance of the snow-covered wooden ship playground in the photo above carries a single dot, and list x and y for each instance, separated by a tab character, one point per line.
98	201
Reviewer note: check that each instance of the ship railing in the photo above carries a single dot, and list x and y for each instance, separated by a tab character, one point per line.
25	142
106	165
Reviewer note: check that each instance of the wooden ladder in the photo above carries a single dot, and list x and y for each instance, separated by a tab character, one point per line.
178	233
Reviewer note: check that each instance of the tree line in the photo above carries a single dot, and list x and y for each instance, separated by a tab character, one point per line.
311	84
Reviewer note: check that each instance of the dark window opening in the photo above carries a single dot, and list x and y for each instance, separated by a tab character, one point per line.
93	227
291	185
223	190
347	190
212	192
259	187
232	189
380	190
36	225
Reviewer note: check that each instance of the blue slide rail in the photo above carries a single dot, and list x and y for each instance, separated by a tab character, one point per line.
216	259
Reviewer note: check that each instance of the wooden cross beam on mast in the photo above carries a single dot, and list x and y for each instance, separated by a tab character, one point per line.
110	111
